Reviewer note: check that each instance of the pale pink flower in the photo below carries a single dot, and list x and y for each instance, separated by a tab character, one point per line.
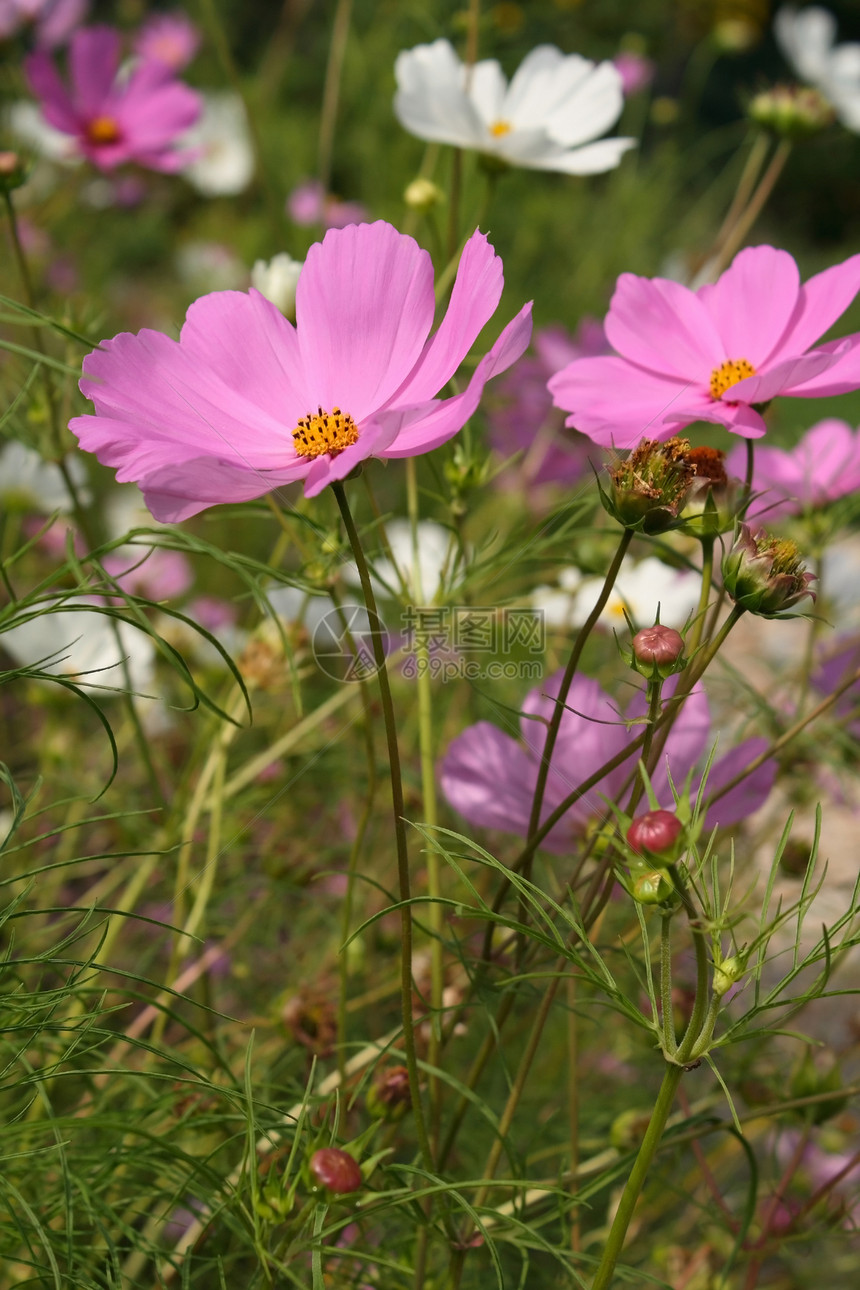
245	402
821	468
716	354
111	118
169	38
51	21
309	204
636	71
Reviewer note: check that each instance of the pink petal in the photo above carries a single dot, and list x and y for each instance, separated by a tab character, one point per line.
822	300
326	469
158	405
477	292
364	307
753	302
45	82
663	327
176	492
155	109
489	778
841	378
616	403
781	378
739	418
249	343
93	62
749	795
430	428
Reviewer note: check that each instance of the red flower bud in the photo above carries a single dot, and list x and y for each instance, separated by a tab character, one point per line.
336	1170
658	644
655	832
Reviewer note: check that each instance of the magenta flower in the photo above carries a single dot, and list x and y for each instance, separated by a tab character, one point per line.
245	402
52	21
490	777
114	119
169	38
716	354
522	418
821	468
637	71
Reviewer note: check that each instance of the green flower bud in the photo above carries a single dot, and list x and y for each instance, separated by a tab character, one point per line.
728	973
714	500
13	171
654	887
765	574
422	195
792	111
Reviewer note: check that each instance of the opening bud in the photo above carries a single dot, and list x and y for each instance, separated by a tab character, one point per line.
389	1096
655	833
336	1170
728	973
765	574
658	651
791	111
713	501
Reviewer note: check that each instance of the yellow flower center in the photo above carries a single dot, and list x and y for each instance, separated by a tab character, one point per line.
500	128
728	374
320	432
103	129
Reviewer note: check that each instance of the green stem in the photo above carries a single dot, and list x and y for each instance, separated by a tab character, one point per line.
700	1006
695	638
615	1241
331	91
670	1042
734	240
399	825
431	818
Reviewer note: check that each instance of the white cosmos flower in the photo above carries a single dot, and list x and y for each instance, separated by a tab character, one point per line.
807	38
545	119
226	162
277	280
84	645
639	589
31	483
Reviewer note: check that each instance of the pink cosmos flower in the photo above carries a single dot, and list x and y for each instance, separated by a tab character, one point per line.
822	467
114	119
245	402
523	419
52	21
637	71
308	204
169	38
490	777
716	354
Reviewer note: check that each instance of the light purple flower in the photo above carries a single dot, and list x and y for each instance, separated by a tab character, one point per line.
111	118
52	21
637	71
522	418
489	777
169	38
308	204
716	354
821	468
156	573
245	402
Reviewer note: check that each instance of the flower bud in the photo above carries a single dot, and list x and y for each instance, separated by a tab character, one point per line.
389	1096
336	1170
655	833
714	500
728	973
658	652
653	887
422	195
650	486
276	279
765	574
791	111
13	171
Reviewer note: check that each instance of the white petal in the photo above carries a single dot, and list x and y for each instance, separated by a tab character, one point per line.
806	39
430	101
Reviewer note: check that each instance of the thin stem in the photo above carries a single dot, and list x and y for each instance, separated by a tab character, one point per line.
695	638
331	91
399	825
746	184
572	1076
567	680
670	1043
615	1240
700	1006
744	223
